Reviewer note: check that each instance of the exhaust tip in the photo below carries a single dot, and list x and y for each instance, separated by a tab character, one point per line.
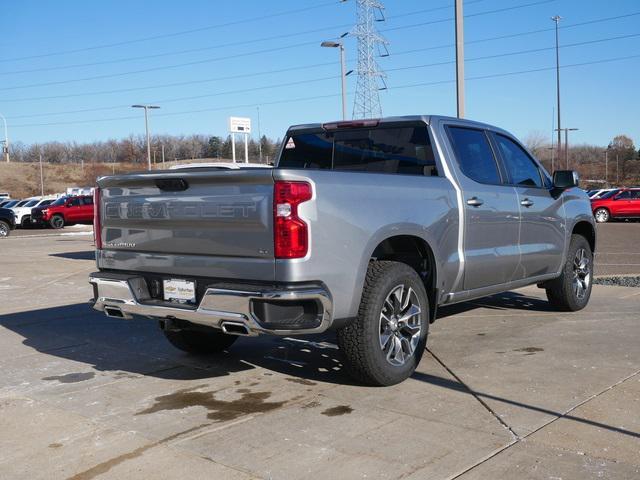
114	312
235	328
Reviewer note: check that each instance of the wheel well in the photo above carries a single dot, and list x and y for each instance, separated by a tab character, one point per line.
416	253
587	231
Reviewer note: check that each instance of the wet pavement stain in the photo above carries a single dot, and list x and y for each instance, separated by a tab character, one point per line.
339	410
529	349
104	467
219	410
71	377
301	381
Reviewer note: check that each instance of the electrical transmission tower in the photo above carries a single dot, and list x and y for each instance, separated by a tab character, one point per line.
371	79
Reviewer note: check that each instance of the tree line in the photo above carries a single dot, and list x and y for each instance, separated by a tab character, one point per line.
133	149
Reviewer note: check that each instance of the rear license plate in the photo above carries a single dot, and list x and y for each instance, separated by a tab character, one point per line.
181	291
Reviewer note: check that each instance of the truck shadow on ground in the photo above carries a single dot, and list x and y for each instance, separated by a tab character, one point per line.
130	348
83	255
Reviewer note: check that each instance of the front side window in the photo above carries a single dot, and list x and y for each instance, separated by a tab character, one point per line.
474	154
399	150
626	195
75	202
521	168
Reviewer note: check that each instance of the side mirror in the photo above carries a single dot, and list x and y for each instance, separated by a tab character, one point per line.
564	179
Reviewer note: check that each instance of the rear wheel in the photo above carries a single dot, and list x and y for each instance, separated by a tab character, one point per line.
571	290
602	215
384	345
57	222
5	229
200	342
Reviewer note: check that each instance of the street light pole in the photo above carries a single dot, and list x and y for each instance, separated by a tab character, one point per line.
459	17
343	72
6	138
566	142
557	19
146	126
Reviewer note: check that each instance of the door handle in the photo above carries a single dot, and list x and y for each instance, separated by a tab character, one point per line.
474	202
526	203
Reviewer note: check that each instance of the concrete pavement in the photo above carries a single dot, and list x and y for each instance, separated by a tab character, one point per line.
508	389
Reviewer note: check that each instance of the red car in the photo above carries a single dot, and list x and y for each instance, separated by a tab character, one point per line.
623	203
65	211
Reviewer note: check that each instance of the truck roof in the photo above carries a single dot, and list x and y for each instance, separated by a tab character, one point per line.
428	119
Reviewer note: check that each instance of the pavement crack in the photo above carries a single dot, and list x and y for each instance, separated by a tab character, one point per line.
514	435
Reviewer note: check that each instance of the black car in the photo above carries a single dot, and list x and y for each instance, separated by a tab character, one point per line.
7	222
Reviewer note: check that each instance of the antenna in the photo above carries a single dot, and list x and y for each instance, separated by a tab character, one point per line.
371	79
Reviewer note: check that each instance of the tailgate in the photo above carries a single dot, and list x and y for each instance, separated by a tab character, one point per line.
199	223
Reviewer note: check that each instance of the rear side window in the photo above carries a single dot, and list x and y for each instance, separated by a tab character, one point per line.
87	200
521	168
474	155
399	150
635	194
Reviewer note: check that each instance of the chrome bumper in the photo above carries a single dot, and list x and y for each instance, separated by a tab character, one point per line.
129	295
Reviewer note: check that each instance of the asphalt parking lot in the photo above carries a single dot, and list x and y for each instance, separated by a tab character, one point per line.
508	388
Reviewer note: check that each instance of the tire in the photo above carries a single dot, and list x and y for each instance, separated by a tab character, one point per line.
5	229
602	215
200	342
370	343
572	289
57	222
26	221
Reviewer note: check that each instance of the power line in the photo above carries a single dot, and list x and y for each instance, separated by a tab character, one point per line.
227	57
316	97
173	34
409	67
302	67
214	47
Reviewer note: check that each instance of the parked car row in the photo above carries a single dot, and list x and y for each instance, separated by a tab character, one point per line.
48	211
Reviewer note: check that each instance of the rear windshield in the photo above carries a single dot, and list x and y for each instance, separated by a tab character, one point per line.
400	150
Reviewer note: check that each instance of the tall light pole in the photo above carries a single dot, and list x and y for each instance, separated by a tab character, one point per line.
459	16
6	138
557	19
343	72
146	126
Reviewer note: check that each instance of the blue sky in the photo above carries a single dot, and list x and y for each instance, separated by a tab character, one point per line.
233	64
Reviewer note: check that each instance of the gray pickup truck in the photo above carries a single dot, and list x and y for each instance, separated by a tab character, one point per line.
365	227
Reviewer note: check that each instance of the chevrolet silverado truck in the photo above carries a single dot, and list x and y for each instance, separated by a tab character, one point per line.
364	227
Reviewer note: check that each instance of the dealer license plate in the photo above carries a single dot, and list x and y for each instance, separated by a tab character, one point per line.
181	291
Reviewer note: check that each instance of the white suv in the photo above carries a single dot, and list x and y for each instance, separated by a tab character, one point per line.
23	209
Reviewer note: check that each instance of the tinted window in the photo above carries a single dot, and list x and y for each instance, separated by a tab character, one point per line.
624	195
75	202
635	194
87	200
31	203
608	194
521	168
45	202
403	150
474	154
59	202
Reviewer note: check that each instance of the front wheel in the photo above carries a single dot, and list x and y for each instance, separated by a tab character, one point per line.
602	215
572	289
199	342
26	222
57	222
384	344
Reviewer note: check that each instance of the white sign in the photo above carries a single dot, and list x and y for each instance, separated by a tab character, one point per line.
239	125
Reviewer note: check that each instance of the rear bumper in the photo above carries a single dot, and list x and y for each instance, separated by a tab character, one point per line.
125	295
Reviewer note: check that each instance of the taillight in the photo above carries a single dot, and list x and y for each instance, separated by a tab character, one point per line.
291	233
97	226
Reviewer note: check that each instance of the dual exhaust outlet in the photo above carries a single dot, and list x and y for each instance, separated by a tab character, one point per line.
228	327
